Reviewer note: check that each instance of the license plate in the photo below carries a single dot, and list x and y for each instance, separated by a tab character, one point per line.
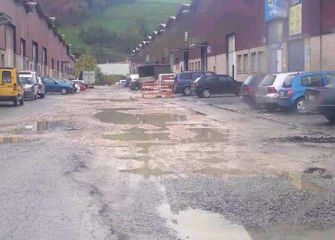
281	94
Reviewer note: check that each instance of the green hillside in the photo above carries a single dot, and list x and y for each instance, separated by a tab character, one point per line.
121	27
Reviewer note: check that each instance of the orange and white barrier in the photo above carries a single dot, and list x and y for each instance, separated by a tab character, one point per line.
157	89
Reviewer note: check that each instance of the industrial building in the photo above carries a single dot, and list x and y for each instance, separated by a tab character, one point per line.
29	40
239	37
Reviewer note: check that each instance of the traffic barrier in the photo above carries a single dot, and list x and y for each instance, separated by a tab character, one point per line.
156	90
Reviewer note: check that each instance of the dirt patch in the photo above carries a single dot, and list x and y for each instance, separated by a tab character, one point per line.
41	126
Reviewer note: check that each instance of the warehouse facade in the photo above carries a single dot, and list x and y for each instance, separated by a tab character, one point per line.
30	41
240	37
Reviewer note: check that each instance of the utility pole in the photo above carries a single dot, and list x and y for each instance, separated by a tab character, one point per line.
321	32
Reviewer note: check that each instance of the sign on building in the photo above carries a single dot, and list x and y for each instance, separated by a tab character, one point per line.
295	20
275	9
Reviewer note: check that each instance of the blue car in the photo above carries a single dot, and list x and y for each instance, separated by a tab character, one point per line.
292	94
54	86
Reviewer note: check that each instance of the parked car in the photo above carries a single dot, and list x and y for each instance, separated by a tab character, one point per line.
322	99
79	85
215	84
183	81
135	85
68	82
10	86
292	94
29	81
40	87
268	91
54	86
249	88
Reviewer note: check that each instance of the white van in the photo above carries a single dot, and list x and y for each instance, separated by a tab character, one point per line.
30	84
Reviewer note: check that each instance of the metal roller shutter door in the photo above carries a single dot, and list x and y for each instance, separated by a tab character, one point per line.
296	56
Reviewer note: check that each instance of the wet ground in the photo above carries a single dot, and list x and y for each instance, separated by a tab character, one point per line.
107	164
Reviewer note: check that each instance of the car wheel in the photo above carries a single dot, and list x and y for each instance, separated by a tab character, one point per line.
330	117
300	106
206	93
15	101
63	91
21	101
187	91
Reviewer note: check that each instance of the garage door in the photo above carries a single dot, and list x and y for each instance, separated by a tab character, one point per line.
296	56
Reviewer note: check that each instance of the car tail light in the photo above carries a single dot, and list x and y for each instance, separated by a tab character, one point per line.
15	87
250	90
290	92
320	99
272	90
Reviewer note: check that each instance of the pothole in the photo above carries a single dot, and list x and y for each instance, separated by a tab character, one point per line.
138	134
41	126
204	135
155	119
146	171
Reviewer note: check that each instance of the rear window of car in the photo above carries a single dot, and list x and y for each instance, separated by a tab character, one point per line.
248	80
268	80
288	81
197	75
312	81
185	75
330	80
211	78
6	77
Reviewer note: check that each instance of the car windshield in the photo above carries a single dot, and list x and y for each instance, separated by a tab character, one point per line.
268	80
185	76
249	80
26	80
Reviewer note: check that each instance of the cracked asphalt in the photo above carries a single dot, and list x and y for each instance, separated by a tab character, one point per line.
107	164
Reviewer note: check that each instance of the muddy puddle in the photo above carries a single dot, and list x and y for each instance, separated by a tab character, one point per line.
138	134
218	172
41	126
197	224
203	135
107	99
160	120
146	171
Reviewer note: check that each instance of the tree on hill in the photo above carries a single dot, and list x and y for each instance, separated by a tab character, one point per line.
86	62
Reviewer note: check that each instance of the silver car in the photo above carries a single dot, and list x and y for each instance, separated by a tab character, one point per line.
268	90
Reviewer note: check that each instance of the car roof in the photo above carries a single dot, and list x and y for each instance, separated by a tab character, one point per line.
315	72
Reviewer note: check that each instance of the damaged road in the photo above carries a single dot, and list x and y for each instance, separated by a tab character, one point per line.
109	165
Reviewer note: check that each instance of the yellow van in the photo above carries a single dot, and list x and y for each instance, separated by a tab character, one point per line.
10	86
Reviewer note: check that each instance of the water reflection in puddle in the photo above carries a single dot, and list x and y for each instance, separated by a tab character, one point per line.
203	135
197	224
146	171
41	126
138	134
156	119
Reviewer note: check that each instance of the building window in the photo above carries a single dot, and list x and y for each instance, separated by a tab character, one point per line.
2	60
245	63
23	53
44	61
35	56
239	64
253	62
260	62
